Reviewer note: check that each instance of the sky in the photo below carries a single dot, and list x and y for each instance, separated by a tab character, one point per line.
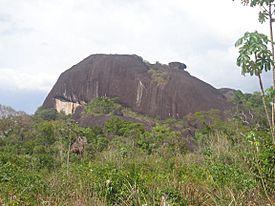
40	39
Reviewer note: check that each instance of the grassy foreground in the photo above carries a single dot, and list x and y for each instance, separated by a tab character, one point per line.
228	163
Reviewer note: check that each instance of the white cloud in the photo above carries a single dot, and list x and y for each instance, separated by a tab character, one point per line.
15	80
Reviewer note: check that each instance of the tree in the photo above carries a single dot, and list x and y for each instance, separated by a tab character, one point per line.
254	58
267	13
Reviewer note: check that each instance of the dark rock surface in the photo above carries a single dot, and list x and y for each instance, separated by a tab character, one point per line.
128	78
177	65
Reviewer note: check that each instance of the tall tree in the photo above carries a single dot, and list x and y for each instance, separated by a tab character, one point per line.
267	13
254	58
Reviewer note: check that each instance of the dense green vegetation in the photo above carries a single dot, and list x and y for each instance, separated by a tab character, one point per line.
103	105
126	163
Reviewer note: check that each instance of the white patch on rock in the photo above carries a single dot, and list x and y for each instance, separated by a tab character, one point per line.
65	93
65	106
96	89
140	90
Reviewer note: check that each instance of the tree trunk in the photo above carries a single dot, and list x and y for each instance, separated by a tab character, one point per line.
273	70
68	158
265	107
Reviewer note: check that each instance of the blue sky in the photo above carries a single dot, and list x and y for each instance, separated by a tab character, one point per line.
41	39
25	100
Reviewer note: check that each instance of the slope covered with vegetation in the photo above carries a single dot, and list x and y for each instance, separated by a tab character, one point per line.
222	162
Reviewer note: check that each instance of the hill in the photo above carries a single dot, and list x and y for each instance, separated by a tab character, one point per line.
156	90
6	111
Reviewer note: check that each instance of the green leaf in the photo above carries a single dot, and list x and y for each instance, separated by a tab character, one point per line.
263	16
254	55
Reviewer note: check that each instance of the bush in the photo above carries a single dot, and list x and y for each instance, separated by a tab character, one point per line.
120	127
103	105
49	114
260	156
19	184
159	75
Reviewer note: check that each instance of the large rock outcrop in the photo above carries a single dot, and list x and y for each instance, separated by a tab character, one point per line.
151	89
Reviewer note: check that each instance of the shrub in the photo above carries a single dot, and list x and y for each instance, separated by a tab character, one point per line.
19	184
47	114
159	75
103	105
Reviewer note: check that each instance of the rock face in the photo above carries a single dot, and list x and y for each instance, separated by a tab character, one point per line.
177	65
151	89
